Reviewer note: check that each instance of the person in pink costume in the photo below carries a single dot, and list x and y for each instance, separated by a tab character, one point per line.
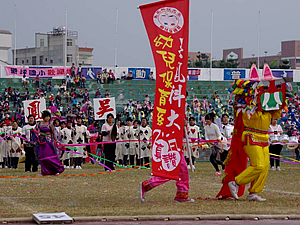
182	183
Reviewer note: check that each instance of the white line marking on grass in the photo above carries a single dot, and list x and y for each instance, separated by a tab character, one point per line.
283	192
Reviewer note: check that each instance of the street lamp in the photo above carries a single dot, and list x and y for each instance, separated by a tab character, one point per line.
266	52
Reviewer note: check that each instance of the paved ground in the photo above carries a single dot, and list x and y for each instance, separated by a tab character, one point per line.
204	222
244	222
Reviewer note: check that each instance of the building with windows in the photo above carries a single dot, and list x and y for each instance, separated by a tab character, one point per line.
50	50
85	55
290	50
5	45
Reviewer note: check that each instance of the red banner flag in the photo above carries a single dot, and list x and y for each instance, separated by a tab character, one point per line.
167	25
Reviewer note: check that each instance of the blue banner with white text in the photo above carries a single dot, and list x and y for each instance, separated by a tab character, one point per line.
140	73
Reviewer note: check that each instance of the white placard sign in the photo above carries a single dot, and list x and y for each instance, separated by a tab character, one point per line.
104	106
34	107
52	218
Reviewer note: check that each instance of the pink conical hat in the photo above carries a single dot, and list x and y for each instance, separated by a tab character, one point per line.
254	73
267	73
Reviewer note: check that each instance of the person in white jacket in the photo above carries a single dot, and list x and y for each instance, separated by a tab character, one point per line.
145	144
212	132
226	131
15	145
275	129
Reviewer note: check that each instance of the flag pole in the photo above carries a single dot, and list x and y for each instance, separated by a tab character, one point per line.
15	44
211	41
116	37
188	149
258	40
66	40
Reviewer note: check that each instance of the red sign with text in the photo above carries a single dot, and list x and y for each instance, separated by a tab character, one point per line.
35	108
104	106
167	25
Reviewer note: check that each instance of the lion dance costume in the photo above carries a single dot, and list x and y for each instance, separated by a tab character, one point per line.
257	101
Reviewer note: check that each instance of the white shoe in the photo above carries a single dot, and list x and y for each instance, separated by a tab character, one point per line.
188	167
67	167
255	197
234	189
272	168
193	167
79	167
178	200
278	168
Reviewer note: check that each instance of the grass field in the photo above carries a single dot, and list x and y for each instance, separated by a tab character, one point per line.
118	194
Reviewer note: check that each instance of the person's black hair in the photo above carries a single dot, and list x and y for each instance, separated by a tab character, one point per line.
225	114
54	121
122	123
46	113
210	116
138	122
191	118
144	118
63	122
30	116
128	119
78	117
109	115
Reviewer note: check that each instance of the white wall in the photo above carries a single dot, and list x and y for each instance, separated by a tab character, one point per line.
5	41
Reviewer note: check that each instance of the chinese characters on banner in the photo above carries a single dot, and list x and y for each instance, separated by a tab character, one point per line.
104	106
42	72
140	73
167	24
193	73
34	107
